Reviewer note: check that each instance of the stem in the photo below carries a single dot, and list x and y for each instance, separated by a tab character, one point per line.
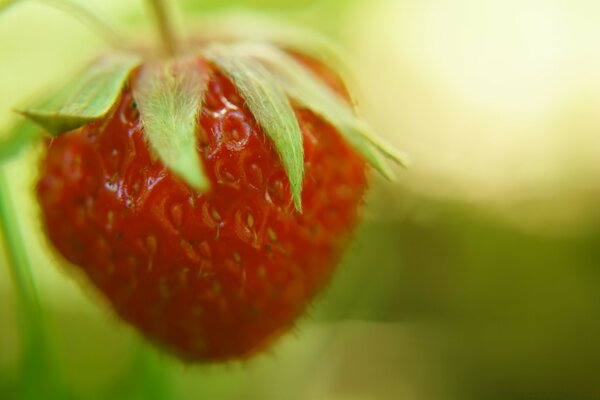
165	26
83	15
87	17
30	316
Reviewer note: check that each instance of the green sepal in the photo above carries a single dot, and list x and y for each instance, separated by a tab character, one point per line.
271	108
238	26
89	97
168	95
308	90
22	133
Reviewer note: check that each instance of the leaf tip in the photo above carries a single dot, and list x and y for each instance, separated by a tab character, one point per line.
22	112
199	182
399	157
386	171
33	116
297	198
404	161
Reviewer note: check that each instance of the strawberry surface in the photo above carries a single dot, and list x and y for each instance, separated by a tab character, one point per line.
210	276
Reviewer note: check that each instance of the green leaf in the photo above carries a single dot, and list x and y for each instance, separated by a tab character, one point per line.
311	92
271	108
87	98
169	99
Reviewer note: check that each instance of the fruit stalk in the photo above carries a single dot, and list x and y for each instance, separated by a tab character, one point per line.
165	26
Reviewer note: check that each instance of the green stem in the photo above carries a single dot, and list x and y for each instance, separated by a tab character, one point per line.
34	367
84	15
91	19
165	26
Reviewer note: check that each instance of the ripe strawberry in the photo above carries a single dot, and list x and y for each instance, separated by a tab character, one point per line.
209	276
207	192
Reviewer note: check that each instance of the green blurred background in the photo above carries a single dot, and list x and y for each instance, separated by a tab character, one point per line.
475	276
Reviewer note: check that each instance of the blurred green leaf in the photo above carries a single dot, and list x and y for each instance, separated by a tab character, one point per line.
146	379
461	266
38	377
6	4
248	26
18	137
204	5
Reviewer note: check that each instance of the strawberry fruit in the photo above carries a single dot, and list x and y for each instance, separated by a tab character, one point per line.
208	195
213	275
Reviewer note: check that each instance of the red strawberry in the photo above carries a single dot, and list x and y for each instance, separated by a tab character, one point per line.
208	193
209	276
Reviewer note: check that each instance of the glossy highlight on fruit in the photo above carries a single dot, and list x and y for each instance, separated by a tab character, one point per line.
212	276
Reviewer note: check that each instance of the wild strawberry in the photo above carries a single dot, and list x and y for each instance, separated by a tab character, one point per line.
213	275
209	195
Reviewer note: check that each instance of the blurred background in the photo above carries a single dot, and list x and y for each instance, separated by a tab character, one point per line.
475	276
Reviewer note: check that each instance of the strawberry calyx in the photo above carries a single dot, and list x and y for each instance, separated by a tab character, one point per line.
169	93
88	98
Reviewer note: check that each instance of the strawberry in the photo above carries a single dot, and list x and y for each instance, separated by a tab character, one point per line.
210	276
207	195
